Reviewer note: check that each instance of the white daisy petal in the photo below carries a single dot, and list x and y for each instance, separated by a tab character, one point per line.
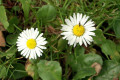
80	41
91	29
78	18
28	54
84	41
37	51
75	19
72	20
83	20
68	22
23	51
78	29
72	40
31	43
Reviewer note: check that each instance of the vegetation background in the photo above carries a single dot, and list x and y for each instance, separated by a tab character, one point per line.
98	61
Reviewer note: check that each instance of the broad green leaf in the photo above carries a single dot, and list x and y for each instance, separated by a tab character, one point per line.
110	70
12	21
3	17
78	50
3	71
82	64
10	52
46	13
84	73
61	44
99	38
49	70
26	7
89	59
118	47
116	27
12	38
109	47
19	71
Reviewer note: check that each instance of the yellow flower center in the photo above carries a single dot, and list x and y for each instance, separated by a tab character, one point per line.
78	30
31	43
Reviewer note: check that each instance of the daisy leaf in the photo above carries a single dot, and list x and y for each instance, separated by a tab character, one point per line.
12	21
62	42
49	70
3	17
11	39
110	70
3	71
79	50
118	47
109	47
99	38
82	64
116	27
19	71
46	13
26	7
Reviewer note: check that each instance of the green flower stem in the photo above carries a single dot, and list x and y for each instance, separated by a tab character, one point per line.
17	28
109	34
34	24
99	25
66	70
38	25
106	29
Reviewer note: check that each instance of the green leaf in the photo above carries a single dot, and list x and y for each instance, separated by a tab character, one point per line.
99	38
26	7
109	47
12	21
110	70
79	50
46	13
3	71
10	52
82	64
116	27
3	17
62	44
49	70
118	47
19	71
12	38
84	73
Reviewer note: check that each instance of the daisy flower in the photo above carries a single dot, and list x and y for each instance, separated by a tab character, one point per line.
31	43
78	29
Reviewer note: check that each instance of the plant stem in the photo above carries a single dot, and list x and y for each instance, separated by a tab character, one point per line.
17	27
